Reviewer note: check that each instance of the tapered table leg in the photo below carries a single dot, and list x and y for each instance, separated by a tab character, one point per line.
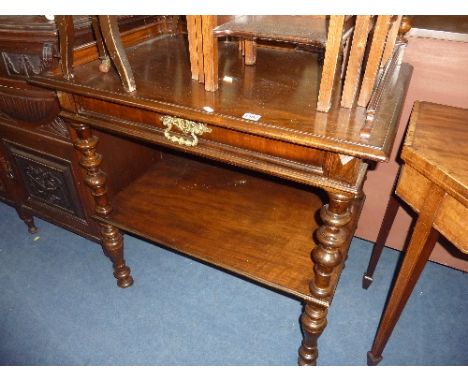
422	242
389	217
327	256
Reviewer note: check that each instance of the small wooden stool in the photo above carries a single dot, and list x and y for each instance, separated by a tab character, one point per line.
434	183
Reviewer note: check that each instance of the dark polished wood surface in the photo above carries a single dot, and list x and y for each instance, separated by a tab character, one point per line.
447	27
298	29
222	208
437	146
281	88
262	228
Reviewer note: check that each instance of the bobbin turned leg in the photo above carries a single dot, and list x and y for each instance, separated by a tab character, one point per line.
111	238
328	257
112	244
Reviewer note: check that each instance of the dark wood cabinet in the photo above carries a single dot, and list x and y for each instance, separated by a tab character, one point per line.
275	200
39	172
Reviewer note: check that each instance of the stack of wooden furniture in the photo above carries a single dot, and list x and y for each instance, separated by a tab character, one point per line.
333	34
185	168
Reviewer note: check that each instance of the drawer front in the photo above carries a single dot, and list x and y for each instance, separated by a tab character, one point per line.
451	222
150	120
412	187
283	159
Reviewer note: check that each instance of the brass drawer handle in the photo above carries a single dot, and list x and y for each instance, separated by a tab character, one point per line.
185	126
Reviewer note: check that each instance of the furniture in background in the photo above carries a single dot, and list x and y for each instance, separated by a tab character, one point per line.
39	171
434	183
438	50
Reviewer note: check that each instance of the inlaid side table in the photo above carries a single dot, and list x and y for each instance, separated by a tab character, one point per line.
434	183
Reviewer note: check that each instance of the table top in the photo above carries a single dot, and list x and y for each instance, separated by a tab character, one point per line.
436	145
282	89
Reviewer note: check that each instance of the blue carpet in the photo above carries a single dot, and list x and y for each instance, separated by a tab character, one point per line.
60	305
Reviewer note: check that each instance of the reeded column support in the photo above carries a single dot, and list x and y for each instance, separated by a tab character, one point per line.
111	238
328	256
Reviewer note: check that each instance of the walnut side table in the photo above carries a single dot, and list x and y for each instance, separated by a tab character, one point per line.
434	183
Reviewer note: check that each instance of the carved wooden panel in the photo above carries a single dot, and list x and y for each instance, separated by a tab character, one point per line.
29	106
56	127
27	65
48	180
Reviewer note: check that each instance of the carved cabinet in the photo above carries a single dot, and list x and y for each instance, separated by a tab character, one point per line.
39	170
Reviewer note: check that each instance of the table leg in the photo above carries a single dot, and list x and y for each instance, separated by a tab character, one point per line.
111	238
389	217
327	256
28	219
422	242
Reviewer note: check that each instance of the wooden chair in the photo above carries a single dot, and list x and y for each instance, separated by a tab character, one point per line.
108	42
333	34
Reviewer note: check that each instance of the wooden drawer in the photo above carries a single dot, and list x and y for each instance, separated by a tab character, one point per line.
412	187
244	149
153	121
451	216
451	222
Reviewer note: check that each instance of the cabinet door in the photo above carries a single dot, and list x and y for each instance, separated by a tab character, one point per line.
47	180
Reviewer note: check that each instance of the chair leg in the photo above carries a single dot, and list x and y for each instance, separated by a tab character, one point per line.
389	217
111	36
66	32
210	53
332	53
103	56
250	52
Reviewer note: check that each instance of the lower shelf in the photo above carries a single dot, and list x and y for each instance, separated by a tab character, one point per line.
249	225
